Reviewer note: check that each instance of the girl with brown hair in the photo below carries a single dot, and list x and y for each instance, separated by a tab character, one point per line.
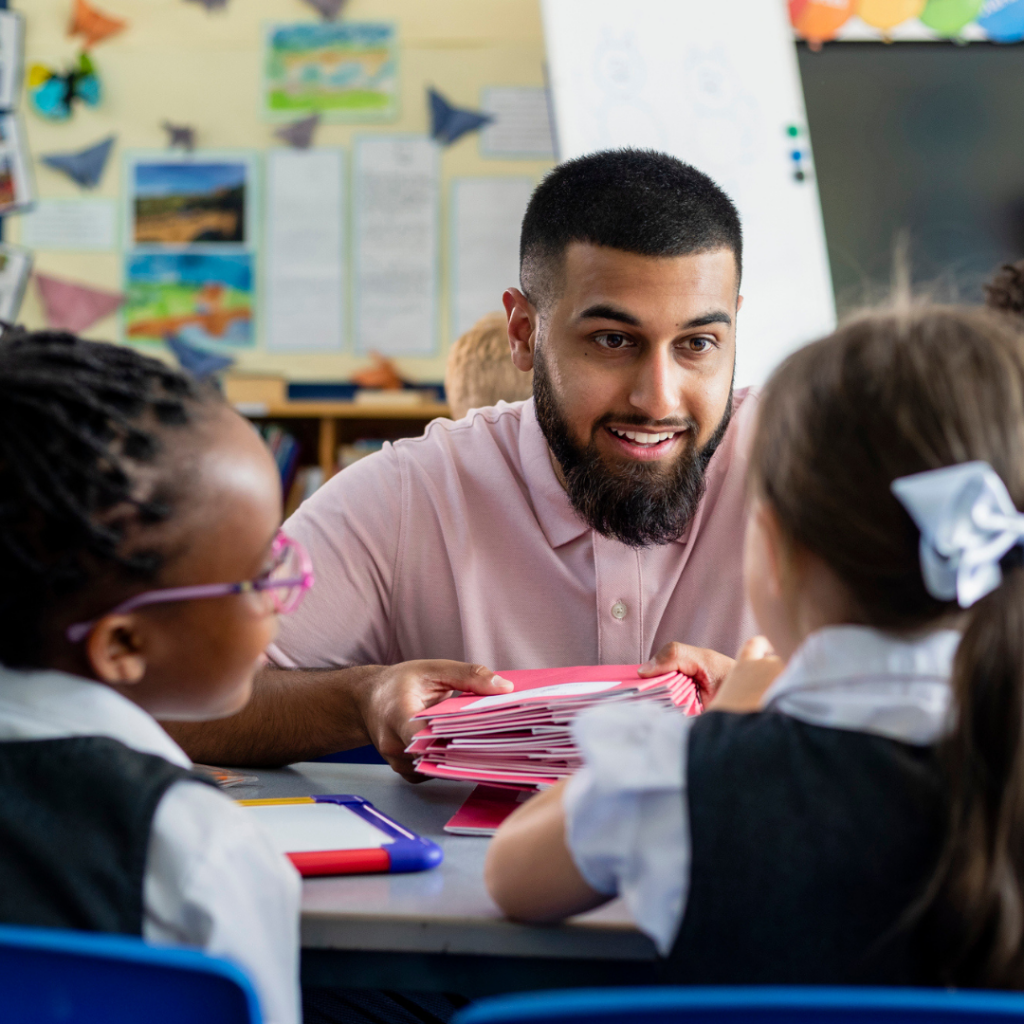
851	809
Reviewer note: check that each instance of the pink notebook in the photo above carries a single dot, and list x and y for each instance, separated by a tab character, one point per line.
524	738
485	809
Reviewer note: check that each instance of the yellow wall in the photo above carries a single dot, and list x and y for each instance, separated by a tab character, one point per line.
180	63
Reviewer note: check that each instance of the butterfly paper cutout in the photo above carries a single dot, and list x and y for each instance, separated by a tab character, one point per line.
53	94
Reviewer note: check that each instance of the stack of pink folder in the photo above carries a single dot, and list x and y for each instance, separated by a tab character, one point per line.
523	738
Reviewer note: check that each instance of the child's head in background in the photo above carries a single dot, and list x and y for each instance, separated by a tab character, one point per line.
120	477
887	396
480	370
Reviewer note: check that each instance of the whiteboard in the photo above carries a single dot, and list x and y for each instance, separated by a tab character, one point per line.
715	83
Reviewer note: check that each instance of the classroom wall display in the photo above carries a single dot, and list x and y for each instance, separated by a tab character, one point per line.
12	43
346	71
997	21
210	66
729	101
15	269
17	189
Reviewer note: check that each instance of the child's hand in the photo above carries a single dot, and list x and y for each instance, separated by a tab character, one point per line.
755	670
705	667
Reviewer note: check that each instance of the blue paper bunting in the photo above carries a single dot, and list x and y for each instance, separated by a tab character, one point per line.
86	166
197	361
448	123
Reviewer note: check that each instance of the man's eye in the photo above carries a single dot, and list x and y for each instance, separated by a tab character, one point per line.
699	344
612	341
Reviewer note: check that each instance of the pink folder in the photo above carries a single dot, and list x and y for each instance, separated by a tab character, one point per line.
523	738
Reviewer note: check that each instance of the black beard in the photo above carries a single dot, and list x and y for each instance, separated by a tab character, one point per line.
640	504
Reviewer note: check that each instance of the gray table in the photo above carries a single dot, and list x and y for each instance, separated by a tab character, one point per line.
439	930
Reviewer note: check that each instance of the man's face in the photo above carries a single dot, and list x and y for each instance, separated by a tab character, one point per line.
633	366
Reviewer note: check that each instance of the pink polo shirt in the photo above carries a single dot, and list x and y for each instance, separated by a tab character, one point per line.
462	544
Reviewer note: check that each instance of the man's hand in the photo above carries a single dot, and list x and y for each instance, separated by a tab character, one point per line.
706	668
755	670
392	696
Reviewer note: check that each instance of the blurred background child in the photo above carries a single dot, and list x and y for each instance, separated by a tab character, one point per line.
851	809
480	372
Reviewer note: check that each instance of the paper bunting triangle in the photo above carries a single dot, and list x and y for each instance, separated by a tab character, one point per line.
299	133
181	136
448	123
74	307
197	361
212	5
86	166
92	24
329	9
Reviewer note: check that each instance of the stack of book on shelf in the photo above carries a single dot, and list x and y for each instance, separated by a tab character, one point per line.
523	738
285	450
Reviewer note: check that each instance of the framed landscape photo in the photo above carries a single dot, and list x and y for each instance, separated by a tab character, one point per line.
200	200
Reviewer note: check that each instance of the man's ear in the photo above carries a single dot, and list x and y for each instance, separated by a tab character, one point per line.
115	650
522	328
739	303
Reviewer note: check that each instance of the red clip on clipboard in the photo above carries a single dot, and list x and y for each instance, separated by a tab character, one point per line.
342	835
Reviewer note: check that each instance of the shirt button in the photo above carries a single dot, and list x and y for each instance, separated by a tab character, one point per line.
619	610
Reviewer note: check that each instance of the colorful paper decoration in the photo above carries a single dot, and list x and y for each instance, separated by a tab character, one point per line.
86	166
448	123
212	5
329	9
887	14
74	307
949	17
198	361
817	21
299	134
1003	20
92	24
181	136
53	94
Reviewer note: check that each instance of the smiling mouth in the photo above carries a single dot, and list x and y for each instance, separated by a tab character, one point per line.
646	443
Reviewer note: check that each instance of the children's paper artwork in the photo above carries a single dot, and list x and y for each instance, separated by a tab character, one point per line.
15	270
85	166
948	18
197	361
1003	20
92	24
188	202
887	14
449	123
180	136
299	134
16	188
818	21
12	48
69	306
328	9
346	71
200	298
53	94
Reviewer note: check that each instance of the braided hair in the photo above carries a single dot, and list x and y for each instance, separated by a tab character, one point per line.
1006	290
75	418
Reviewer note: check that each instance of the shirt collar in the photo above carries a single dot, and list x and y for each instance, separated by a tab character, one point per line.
37	705
857	678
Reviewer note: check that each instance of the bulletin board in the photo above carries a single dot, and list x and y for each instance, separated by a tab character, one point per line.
178	62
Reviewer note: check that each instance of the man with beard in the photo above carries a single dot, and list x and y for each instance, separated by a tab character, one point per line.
597	523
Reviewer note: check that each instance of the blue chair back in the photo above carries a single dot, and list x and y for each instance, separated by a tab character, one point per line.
64	977
748	1005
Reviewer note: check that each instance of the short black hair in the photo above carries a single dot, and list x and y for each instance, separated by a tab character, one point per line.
635	200
76	418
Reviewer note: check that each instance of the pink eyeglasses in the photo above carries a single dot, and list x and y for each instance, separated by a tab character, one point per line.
286	581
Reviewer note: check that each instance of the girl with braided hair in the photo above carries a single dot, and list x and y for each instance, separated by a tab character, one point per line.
141	572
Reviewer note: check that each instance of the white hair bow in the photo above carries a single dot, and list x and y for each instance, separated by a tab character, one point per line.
968	522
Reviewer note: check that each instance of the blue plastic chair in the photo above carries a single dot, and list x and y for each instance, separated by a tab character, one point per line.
748	1005
65	977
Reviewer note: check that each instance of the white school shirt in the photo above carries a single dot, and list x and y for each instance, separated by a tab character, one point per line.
213	880
627	821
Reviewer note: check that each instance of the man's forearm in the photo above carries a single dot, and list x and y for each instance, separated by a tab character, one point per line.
292	716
